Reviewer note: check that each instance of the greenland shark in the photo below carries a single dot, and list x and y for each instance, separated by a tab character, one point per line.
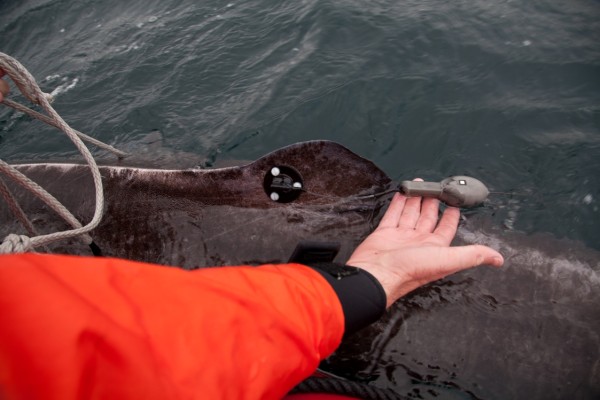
528	330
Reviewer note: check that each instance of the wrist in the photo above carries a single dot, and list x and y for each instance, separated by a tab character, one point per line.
393	285
361	296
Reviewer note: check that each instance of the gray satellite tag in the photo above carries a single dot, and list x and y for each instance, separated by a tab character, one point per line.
456	191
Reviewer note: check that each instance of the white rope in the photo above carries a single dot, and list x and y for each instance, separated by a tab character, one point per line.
15	244
49	121
18	212
29	88
16	209
53	203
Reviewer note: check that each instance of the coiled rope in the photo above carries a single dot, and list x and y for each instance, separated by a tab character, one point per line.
19	243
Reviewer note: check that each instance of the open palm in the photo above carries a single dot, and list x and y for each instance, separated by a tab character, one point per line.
411	247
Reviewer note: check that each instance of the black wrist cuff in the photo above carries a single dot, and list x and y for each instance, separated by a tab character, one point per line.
361	295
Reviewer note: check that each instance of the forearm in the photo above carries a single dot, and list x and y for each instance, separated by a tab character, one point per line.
90	327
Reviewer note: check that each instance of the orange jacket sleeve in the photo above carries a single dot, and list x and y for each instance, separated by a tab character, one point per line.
73	327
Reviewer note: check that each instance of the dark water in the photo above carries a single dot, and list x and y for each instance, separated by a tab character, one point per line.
506	91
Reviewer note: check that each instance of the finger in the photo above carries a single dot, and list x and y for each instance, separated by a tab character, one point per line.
392	215
448	224
463	257
429	215
412	211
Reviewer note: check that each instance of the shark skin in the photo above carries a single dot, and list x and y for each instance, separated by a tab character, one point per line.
209	217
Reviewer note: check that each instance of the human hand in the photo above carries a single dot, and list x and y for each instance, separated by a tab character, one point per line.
411	248
4	89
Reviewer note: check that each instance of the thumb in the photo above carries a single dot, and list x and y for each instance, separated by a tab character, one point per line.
464	257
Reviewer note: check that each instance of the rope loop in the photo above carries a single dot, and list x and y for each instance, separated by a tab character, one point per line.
15	244
30	89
